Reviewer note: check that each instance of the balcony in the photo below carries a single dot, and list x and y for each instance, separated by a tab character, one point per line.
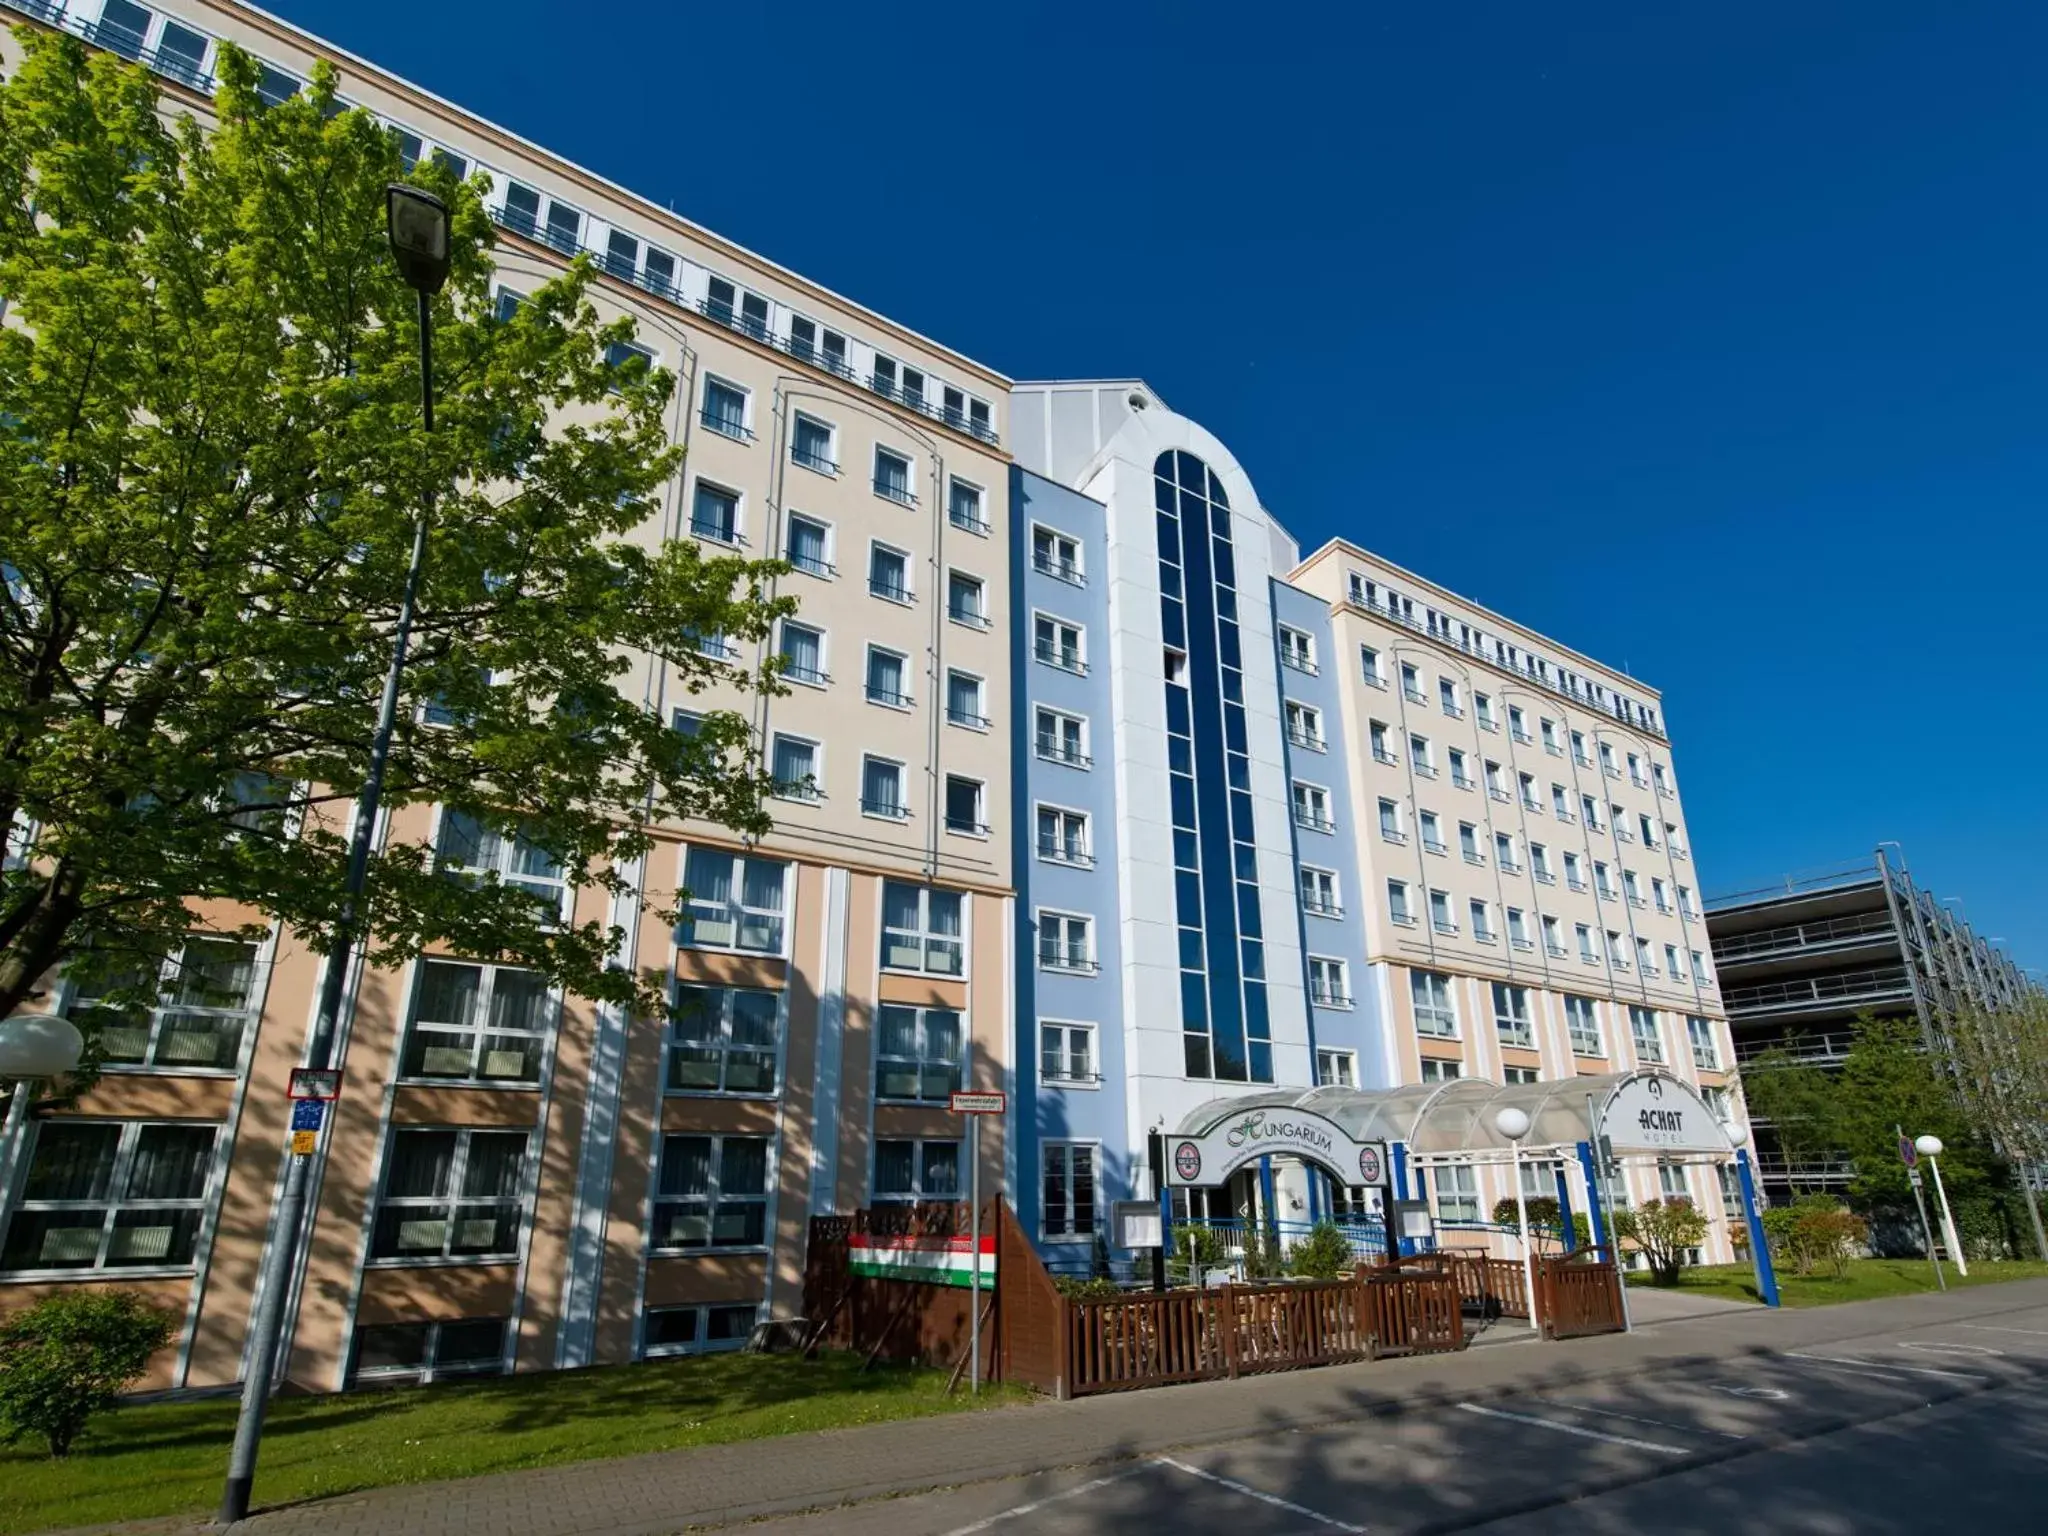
970	522
1835	932
888	810
1822	993
714	531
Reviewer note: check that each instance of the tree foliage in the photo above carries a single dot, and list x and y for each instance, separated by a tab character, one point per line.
211	459
1323	1255
1815	1232
70	1356
1665	1230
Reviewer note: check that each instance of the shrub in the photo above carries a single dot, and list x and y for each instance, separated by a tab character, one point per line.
1262	1257
69	1356
1547	1217
1323	1255
1096	1288
1208	1244
1814	1232
1664	1230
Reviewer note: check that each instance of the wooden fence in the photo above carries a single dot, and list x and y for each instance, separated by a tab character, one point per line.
1579	1294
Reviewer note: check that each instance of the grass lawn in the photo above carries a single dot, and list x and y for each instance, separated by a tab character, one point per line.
168	1458
1866	1280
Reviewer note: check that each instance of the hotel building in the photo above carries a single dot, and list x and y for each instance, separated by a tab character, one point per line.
1094	791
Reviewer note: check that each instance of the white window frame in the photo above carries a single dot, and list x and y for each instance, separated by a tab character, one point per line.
901	701
453	1198
744	432
879	810
702	484
714	1195
1056	657
1297	649
924	936
979	526
735	911
723	1043
1080	758
1326	898
829	465
1590	1040
1310	736
1066	1077
1334	975
1400	911
830	569
1065	963
919	1167
937	1076
1317	806
1072	572
791	791
1436	1017
703	1343
482	1030
1513	1024
1336	1069
1069	1228
127	1134
909	463
1079	856
908	593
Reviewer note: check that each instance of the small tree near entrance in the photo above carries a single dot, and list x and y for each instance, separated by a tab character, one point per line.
1665	1231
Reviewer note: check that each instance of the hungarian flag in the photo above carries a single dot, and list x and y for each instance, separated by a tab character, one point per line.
924	1260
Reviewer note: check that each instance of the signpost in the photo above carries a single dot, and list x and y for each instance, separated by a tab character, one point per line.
312	1089
974	1105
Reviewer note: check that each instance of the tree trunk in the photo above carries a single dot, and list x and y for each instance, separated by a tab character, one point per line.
41	940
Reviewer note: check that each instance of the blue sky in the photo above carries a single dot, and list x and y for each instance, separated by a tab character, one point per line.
1705	337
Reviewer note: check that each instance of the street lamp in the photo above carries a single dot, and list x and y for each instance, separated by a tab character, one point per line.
416	224
1930	1148
1513	1123
32	1046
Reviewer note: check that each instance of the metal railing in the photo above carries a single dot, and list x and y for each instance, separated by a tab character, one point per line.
1066	661
1822	1050
1820	991
1055	751
1059	570
1797	936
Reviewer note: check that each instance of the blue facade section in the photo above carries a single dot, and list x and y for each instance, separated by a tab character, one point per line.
1064	755
1330	928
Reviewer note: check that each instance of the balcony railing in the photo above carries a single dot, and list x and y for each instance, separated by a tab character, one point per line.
888	696
812	564
1820	991
891	810
1320	908
1053	750
1313	821
1797	936
817	461
973	719
1325	997
1066	957
902	495
1058	570
1058	851
1066	661
1823	1050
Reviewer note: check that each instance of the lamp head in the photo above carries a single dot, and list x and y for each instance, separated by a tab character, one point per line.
1738	1135
38	1045
1927	1146
1512	1123
417	225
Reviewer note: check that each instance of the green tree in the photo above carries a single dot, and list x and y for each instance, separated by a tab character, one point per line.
70	1356
1323	1255
211	456
1665	1230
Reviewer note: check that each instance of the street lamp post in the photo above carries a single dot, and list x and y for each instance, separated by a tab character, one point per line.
1514	1124
1930	1148
417	225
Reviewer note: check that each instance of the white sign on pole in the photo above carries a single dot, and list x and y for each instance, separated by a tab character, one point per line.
1652	1112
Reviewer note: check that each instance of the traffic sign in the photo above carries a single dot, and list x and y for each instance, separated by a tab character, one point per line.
308	1114
315	1083
1908	1153
303	1143
973	1103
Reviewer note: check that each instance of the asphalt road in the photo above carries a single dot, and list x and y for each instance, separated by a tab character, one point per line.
1934	1429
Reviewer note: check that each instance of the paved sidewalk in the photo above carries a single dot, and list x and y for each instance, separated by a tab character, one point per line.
667	1492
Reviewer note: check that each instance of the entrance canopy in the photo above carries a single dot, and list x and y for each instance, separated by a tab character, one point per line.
1454	1121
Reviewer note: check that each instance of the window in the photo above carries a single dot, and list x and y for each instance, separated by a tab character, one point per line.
1673	841
418	1354
1518	929
1705	1052
1312	807
626	360
1731	1191
471	852
1482	709
1685	906
1447	696
1631	888
1699	967
888	573
1066	942
1671	962
1418	755
1621	830
1560	804
1058	643
1063	836
1496	785
1436	1070
1440	912
917	1170
888	679
1381	752
1539	864
1582	1024
1430	991
450	1193
1590	809
884	381
1504	853
1457	1193
1319	892
205	1005
106	1195
1468	843
881	789
964	806
1068	1190
963	700
803	655
1574	872
1411	682
1646	957
1397	903
1649	829
1056	554
812	444
1369	666
1603	881
1460	778
1066	1053
921	929
1587	951
712	1193
1305	726
965	600
1616	955
1579	750
1518	724
1635	772
476	1023
963	507
1553	941
715	515
1660	893
699	1330
1336	1069
1390	821
793	765
1329	982
920	1053
733	901
1061	738
723	1040
1548	729
1529	800
1511	1015
1297	649
1671	1182
725	409
1482	920
809	545
892	478
813	344
1642	1033
1521	1075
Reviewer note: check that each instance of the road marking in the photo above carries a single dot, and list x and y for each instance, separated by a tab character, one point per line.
1634	1418
2039	1333
1052	1498
1948	1349
1256	1493
1886	1365
1576	1429
1765	1394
